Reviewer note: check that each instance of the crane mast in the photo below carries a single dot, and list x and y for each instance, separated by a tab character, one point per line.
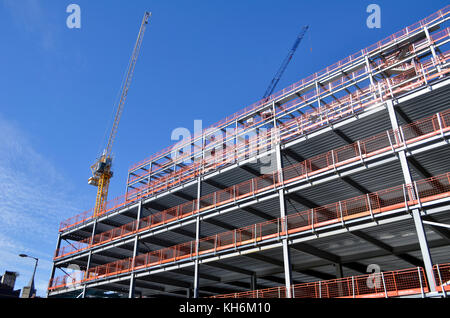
101	169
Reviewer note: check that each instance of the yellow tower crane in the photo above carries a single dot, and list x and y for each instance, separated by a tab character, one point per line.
101	169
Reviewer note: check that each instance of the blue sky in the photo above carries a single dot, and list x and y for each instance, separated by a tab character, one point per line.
199	60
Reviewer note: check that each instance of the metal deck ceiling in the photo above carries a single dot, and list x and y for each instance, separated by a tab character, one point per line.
387	262
372	179
399	236
419	107
231	177
261	266
435	161
426	104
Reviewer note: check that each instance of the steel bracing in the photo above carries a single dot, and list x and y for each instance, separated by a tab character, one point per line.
298	195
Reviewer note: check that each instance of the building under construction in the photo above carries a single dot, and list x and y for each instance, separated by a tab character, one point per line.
336	186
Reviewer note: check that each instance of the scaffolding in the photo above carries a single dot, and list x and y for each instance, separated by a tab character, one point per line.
355	152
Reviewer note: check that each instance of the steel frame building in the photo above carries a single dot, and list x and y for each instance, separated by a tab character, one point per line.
295	196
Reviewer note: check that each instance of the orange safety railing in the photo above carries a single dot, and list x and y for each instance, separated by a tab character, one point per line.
110	206
442	276
408	31
73	247
330	86
77	219
310	121
395	198
305	99
339	82
361	150
384	284
66	281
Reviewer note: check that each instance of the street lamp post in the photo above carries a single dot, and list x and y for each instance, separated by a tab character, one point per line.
29	291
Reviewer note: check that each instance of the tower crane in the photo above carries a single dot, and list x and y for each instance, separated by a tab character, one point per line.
101	169
285	63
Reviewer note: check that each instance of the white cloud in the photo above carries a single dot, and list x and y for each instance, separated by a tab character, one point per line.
30	16
32	203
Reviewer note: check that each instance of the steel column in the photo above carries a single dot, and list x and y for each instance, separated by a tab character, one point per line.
286	252
339	270
433	50
83	294
132	277
253	282
52	275
197	237
88	264
421	235
135	250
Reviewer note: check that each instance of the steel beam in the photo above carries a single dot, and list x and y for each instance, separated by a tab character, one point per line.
441	231
403	256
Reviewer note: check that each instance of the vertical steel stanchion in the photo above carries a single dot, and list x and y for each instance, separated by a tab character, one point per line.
320	289
421	285
419	202
384	285
405	196
441	126
353	286
369	203
440	281
390	141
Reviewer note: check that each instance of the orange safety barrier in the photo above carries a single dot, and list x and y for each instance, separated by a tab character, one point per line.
66	281
358	151
179	180
408	31
77	219
310	121
73	247
442	276
343	80
386	284
391	199
377	285
305	99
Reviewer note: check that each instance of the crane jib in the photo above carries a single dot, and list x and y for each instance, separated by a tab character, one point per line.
285	63
101	169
